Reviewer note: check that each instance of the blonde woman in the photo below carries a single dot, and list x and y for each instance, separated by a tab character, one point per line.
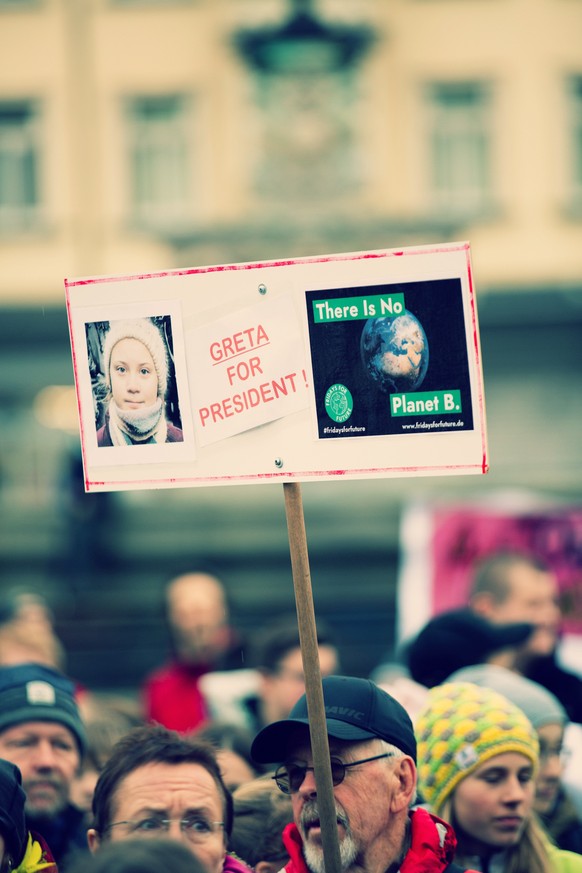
477	761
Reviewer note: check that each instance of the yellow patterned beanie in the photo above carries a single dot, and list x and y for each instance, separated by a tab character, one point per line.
460	727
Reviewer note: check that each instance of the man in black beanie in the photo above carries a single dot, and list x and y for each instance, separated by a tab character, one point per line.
41	731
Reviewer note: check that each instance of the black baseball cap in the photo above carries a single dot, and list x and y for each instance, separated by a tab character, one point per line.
355	709
459	638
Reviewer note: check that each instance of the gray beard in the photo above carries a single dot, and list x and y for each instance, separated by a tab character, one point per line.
313	854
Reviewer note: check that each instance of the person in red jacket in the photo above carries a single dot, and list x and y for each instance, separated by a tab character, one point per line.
202	639
373	768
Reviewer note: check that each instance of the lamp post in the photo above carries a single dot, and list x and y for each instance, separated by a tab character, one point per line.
303	44
305	80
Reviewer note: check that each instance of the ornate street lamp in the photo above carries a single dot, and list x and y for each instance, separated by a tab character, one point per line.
305	72
303	44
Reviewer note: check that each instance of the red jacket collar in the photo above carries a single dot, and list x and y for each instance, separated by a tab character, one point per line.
432	845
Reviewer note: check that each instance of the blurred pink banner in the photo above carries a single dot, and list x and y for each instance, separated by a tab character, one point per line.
464	535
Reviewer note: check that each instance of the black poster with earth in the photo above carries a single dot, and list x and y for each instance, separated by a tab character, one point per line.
390	359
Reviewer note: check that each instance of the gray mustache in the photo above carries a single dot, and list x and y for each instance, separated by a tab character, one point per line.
310	814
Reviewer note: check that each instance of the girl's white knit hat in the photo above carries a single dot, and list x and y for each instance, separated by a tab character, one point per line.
144	330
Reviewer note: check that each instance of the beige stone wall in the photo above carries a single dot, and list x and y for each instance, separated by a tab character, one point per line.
80	60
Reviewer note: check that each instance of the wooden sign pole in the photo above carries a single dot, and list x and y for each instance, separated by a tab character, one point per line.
313	688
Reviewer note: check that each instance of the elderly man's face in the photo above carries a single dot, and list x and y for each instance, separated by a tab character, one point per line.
366	802
151	796
48	758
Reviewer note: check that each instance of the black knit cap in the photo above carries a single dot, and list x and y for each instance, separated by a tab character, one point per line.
33	692
355	709
12	821
459	638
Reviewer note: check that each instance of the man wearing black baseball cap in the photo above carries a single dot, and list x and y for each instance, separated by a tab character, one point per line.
373	768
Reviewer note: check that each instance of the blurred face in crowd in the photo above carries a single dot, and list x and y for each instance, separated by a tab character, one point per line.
83	786
532	596
32	609
551	737
48	758
492	805
198	618
180	801
282	688
234	769
368	801
134	379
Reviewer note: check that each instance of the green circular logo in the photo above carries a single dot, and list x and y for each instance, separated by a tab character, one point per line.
339	404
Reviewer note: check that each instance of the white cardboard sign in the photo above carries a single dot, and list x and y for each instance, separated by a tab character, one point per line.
354	365
246	369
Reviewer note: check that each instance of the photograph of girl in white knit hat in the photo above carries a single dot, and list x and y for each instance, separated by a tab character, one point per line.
133	382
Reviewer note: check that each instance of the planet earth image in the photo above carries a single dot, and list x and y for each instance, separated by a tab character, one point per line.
394	352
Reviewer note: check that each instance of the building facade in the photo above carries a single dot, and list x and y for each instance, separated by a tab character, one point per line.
139	135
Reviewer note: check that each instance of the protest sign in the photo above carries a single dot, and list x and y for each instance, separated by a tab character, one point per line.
354	365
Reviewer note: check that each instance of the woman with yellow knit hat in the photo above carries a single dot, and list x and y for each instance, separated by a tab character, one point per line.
477	760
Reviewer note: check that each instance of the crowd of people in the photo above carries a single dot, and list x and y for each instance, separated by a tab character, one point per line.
453	756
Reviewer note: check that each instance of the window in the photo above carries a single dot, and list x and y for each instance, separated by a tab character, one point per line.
160	155
18	163
576	147
459	144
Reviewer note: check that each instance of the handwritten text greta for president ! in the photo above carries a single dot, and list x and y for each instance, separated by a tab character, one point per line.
354	308
239	355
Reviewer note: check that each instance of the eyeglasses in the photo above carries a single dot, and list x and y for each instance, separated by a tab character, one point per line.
196	829
289	777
